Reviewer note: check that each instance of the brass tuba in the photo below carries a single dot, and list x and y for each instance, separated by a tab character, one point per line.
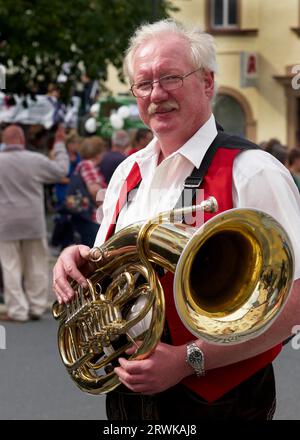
231	279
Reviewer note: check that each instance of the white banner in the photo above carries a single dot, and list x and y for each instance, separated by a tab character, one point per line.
43	110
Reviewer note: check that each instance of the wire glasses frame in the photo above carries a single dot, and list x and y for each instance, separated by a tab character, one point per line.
169	82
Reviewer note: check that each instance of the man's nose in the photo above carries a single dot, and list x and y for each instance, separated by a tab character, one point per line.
158	93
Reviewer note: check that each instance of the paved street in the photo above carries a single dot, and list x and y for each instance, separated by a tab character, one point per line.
287	372
35	385
34	382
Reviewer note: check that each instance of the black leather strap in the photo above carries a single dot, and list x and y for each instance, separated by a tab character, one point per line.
194	181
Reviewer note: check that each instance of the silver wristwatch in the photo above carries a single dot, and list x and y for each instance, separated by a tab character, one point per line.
195	358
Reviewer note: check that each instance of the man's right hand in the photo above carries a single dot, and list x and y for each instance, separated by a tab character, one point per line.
67	268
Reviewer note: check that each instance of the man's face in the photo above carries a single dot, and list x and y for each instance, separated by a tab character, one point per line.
181	112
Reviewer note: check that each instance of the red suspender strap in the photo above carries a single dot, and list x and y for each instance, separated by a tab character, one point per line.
131	181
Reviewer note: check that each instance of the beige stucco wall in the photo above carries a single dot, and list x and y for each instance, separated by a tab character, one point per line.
250	13
113	83
276	45
191	11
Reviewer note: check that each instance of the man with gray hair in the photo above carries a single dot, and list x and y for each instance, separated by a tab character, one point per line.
120	141
23	233
171	68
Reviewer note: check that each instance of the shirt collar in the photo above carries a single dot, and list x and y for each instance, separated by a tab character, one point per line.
193	150
196	147
12	147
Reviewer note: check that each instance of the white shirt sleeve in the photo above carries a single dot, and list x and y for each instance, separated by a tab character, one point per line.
260	181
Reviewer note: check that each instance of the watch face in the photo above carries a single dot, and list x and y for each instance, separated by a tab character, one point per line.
195	356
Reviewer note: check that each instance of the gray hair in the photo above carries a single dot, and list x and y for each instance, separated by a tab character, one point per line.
120	138
202	46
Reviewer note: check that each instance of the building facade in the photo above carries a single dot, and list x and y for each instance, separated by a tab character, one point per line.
258	53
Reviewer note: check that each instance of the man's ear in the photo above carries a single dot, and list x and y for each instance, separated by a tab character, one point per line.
209	81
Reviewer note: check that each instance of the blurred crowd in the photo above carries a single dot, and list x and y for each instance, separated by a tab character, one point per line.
77	197
289	157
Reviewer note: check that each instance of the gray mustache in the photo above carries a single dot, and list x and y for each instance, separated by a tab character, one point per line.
165	106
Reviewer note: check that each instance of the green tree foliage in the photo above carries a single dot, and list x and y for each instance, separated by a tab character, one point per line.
38	36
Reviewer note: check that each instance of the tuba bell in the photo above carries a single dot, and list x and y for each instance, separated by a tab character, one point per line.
231	279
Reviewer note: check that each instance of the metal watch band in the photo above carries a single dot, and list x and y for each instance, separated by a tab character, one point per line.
195	358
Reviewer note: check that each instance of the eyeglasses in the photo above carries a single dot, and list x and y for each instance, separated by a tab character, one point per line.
169	82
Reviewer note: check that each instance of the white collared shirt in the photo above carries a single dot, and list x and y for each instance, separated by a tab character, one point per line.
259	181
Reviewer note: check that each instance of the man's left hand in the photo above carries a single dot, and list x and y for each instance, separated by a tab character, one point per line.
162	369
